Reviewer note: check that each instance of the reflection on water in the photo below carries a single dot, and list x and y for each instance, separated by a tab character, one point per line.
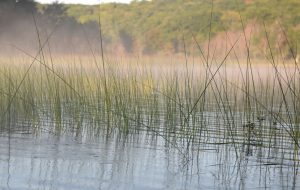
42	160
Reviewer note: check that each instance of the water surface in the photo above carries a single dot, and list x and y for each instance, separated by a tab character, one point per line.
39	159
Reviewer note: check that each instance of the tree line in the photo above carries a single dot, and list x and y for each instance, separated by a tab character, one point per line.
166	25
157	26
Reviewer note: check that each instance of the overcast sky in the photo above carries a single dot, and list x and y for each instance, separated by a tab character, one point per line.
89	2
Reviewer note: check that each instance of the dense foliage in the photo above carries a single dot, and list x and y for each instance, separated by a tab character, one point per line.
166	26
160	25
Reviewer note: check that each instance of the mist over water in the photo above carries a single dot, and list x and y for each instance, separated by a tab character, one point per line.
24	26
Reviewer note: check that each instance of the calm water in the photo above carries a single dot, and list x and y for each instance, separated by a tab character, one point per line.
42	160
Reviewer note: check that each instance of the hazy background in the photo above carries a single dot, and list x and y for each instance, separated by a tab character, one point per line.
157	27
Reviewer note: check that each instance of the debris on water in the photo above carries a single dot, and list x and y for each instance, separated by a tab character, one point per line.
261	118
249	125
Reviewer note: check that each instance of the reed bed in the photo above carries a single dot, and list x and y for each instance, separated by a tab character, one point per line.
185	102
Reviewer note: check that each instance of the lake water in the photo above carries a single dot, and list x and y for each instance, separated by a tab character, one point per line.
39	159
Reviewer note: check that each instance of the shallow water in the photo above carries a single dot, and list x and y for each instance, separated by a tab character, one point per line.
40	159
